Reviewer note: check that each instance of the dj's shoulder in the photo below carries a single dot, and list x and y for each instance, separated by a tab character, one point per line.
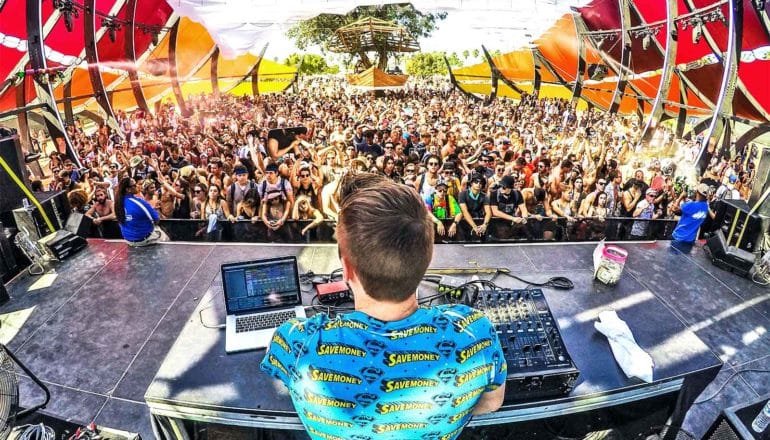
304	325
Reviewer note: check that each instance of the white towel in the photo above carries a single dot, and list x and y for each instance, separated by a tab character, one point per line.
634	361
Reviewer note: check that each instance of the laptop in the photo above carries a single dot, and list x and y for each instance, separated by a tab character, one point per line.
259	296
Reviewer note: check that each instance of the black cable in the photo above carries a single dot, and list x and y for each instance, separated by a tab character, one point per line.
729	378
657	429
558	283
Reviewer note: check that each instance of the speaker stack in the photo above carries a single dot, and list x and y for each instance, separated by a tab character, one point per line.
742	229
10	150
57	209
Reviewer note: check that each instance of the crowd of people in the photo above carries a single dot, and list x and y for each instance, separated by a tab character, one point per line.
532	163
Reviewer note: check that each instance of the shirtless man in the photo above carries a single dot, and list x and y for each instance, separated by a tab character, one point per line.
102	209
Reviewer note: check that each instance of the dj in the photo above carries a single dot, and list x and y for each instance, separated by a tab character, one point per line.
390	369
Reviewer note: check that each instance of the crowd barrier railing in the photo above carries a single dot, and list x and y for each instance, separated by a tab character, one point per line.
498	231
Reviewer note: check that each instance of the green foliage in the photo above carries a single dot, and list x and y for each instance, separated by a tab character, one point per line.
320	29
430	63
475	53
312	64
466	54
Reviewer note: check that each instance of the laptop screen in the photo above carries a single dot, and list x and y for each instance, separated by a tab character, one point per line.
261	285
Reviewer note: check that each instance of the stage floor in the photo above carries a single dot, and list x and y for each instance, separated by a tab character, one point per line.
97	329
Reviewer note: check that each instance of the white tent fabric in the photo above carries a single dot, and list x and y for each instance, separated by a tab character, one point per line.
240	26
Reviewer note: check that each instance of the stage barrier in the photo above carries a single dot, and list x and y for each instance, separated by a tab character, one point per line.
499	231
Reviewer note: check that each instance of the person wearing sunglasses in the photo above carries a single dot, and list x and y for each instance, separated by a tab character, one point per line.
588	201
425	183
306	182
442	205
474	205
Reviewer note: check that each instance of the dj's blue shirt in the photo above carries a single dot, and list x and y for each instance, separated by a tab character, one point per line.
355	377
693	215
140	218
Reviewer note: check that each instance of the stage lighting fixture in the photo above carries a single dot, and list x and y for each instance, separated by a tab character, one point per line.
646	41
68	10
697	32
112	28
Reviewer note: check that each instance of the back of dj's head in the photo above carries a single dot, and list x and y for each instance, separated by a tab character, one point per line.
385	234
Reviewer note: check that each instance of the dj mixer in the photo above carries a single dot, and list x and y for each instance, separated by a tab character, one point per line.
538	362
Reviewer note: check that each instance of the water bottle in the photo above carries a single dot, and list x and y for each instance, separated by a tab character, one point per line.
762	420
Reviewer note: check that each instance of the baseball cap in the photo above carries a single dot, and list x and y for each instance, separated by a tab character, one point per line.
442	182
240	169
733	178
703	189
507	182
651	191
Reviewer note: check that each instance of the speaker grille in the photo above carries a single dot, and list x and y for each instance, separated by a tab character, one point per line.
724	431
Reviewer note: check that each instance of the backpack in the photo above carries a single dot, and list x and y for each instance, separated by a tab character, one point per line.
252	185
281	185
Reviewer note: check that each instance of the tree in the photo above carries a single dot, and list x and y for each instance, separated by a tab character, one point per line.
430	63
320	29
311	64
466	54
475	53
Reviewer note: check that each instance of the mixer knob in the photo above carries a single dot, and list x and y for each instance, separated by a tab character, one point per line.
512	338
537	347
526	348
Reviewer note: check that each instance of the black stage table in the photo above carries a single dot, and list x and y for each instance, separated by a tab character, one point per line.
199	382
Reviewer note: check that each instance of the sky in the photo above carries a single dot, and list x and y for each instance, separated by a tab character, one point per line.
245	25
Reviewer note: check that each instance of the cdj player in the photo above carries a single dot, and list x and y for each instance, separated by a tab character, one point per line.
538	362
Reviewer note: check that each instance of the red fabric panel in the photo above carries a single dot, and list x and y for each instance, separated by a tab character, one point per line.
604	15
707	79
9	58
8	100
111	53
756	80
68	43
687	51
744	108
13	19
753	34
150	12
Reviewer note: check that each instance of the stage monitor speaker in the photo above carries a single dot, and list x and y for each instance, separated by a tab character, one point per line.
63	244
734	423
747	230
57	208
10	151
79	224
597	72
728	257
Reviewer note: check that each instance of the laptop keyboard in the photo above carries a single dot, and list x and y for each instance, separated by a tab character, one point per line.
263	320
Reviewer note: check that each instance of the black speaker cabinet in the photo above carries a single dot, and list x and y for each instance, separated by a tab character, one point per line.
8	265
10	151
734	423
79	224
729	257
733	215
57	208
